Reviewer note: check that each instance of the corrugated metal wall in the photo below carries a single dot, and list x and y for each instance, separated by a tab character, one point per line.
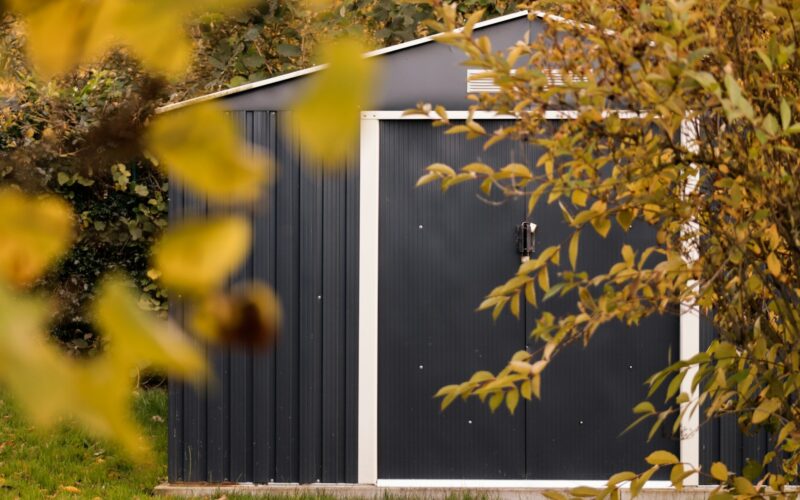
287	415
721	439
440	254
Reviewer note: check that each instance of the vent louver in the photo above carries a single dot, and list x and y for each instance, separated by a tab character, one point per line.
555	78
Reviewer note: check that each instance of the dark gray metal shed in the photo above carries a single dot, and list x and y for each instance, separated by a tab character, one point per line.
378	282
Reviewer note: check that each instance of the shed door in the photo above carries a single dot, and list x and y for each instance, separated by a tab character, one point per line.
440	253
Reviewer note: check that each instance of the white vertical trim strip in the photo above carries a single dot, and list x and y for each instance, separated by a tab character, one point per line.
369	203
690	342
369	210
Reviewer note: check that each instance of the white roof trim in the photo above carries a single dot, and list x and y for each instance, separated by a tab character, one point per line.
314	69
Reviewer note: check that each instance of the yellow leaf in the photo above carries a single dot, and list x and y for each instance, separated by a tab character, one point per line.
601	225
627	254
30	367
518	170
773	264
327	115
136	338
719	471
530	293
512	400
661	457
579	198
743	486
202	148
427	178
536	386
573	249
34	232
620	477
525	389
544	279
495	400
198	255
765	409
584	491
514	305
70	489
49	386
64	33
520	367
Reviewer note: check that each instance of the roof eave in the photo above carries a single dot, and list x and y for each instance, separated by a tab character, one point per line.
307	71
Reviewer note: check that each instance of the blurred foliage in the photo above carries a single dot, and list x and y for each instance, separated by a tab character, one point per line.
682	115
68	463
54	132
83	167
332	103
84	162
276	36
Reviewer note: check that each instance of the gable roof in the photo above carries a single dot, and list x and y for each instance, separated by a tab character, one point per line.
375	53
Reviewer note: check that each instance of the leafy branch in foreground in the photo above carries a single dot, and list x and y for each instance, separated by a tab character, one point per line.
202	149
677	115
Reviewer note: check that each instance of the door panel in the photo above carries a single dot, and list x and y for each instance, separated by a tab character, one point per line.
439	255
588	392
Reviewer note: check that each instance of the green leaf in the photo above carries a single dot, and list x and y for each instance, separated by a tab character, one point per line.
287	50
736	97
644	407
661	457
786	114
752	470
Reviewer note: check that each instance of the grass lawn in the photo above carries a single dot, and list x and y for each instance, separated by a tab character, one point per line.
66	463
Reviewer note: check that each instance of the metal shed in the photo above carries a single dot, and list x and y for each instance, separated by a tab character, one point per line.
378	282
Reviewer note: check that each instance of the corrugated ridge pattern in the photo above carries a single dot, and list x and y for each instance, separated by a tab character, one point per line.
282	415
439	254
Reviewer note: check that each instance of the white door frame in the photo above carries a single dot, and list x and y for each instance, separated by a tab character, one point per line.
369	208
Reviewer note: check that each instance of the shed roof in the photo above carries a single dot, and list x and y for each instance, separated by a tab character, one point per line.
431	72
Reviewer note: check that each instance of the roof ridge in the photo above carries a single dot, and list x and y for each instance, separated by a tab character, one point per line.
313	69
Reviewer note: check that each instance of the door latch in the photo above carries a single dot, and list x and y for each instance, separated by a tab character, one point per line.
526	240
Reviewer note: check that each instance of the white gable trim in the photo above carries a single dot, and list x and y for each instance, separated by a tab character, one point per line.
375	53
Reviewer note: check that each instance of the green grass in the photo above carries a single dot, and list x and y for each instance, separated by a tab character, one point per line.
36	464
67	463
